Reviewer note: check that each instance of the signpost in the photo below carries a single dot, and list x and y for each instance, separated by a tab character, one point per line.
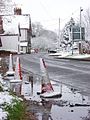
78	34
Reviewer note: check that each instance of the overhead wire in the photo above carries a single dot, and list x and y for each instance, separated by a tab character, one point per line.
54	19
45	9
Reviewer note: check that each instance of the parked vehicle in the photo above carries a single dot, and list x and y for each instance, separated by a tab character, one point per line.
52	51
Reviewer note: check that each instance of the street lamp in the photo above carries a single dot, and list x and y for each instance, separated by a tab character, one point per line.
81	27
59	41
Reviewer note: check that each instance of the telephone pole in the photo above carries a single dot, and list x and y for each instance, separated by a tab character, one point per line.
81	28
59	41
80	24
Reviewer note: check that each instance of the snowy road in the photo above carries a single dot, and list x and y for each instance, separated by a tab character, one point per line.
71	72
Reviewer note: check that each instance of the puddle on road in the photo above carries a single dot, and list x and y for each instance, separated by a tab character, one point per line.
71	106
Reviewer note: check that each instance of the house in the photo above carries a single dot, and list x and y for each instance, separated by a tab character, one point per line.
15	32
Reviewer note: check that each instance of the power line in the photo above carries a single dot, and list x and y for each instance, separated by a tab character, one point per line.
55	20
45	9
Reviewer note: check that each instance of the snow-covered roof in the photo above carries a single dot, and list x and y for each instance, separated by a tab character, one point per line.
11	23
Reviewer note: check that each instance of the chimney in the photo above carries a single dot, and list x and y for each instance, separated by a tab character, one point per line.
17	11
1	25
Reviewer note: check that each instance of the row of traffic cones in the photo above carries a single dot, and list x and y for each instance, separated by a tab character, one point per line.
46	86
16	74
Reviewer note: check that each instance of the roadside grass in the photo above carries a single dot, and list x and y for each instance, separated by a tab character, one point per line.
16	110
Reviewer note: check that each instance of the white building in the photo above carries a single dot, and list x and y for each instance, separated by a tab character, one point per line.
15	32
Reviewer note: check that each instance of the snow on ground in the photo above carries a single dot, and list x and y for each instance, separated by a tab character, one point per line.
69	55
80	56
56	111
60	108
5	98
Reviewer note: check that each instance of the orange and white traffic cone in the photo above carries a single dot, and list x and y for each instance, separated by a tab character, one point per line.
10	63
10	73
18	74
46	85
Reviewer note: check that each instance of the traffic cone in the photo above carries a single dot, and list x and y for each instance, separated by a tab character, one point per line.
46	85
10	73
10	63
18	74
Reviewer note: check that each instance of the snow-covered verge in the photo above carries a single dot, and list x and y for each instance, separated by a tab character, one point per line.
70	56
6	99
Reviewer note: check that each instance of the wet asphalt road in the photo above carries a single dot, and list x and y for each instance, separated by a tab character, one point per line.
71	72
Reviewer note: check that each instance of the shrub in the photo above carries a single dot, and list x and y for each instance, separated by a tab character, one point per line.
1	89
16	110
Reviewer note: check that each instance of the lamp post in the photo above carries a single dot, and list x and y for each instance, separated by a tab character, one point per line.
59	41
81	27
72	37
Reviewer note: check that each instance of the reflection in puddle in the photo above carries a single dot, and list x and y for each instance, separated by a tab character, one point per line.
71	106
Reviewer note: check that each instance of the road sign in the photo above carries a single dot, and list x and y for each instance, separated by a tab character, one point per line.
76	33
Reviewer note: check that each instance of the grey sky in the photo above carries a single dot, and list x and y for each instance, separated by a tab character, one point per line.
49	11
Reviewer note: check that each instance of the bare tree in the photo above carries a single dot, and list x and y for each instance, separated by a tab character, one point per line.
36	28
86	22
42	38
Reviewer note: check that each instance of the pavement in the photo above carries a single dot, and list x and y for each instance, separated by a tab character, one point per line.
75	56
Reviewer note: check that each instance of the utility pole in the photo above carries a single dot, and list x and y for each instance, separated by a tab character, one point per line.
80	24
29	37
81	28
72	37
59	41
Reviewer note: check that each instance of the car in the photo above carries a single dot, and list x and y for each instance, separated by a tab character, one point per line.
52	51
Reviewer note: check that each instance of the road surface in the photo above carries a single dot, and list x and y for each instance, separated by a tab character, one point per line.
70	72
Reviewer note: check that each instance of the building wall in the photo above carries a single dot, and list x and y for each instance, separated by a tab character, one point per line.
24	40
23	36
9	43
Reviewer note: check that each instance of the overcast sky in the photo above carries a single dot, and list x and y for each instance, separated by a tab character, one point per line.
48	11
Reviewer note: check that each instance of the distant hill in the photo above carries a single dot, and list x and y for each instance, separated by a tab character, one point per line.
49	34
43	39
